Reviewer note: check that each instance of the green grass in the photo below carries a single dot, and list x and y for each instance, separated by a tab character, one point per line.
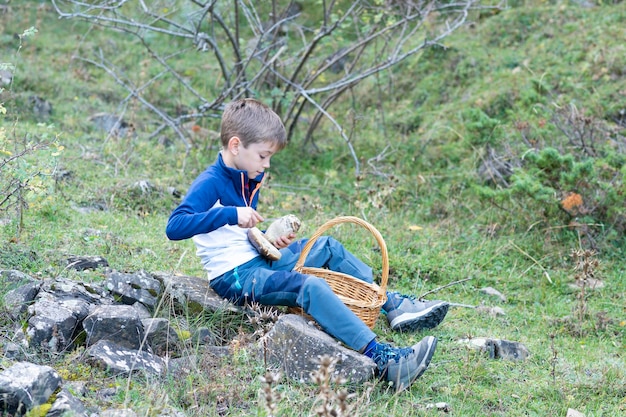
506	69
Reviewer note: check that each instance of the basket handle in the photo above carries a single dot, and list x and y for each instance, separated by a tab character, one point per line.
349	219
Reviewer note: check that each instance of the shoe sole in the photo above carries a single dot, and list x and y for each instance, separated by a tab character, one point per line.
425	319
423	364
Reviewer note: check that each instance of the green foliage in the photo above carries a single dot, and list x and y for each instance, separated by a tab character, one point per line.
27	166
28	162
550	182
481	128
21	258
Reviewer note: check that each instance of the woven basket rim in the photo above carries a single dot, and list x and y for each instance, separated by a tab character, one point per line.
380	289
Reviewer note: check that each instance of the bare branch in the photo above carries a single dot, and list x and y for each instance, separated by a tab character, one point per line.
134	92
421	297
303	62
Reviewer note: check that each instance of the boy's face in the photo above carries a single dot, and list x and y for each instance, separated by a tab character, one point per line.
254	159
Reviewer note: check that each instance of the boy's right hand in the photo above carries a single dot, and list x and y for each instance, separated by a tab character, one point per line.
248	217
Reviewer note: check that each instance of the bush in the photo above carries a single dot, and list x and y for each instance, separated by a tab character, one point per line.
577	179
28	162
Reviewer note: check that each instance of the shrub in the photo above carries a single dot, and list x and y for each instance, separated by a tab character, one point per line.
27	164
577	179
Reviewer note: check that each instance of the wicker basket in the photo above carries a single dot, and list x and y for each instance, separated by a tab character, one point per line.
364	299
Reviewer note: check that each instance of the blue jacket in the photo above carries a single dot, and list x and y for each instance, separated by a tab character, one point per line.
208	215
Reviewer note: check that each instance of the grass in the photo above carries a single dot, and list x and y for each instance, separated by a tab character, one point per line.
506	68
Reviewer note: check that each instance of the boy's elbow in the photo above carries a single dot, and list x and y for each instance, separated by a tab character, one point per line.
170	235
173	233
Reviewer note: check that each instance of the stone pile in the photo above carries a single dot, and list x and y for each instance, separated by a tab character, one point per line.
118	323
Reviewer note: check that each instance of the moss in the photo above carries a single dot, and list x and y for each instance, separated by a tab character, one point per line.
39	410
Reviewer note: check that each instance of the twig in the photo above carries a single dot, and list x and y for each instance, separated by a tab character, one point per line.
534	260
445	286
461	305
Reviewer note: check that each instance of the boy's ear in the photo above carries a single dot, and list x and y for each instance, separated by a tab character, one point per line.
233	145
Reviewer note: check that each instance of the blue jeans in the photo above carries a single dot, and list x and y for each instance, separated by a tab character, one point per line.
275	283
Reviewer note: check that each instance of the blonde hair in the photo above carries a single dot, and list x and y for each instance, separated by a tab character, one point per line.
252	122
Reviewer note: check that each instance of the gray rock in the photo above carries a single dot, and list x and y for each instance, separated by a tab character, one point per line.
193	363
14	277
193	294
295	346
51	325
119	323
508	350
121	360
112	124
203	336
42	108
6	77
142	310
62	288
498	348
17	300
131	288
493	292
67	405
82	263
25	385
162	337
11	350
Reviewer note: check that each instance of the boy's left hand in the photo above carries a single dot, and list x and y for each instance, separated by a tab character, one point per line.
284	241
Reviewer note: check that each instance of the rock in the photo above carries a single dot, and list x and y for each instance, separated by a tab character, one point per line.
82	263
17	300
11	350
589	283
117	412
491	311
42	108
441	406
193	363
62	288
498	348
142	310
193	294
52	324
6	77
136	287
118	359
15	278
120	323
113	125
162	337
66	404
295	346
25	385
203	336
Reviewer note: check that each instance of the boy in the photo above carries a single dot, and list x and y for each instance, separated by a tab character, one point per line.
219	208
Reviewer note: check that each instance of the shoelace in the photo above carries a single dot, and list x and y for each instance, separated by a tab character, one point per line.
386	352
401	297
398	299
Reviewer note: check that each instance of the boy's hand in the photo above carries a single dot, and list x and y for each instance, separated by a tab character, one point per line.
248	217
284	241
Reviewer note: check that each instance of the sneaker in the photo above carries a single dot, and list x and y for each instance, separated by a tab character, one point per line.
405	313
402	366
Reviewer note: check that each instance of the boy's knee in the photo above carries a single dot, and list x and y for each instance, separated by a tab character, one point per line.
316	285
